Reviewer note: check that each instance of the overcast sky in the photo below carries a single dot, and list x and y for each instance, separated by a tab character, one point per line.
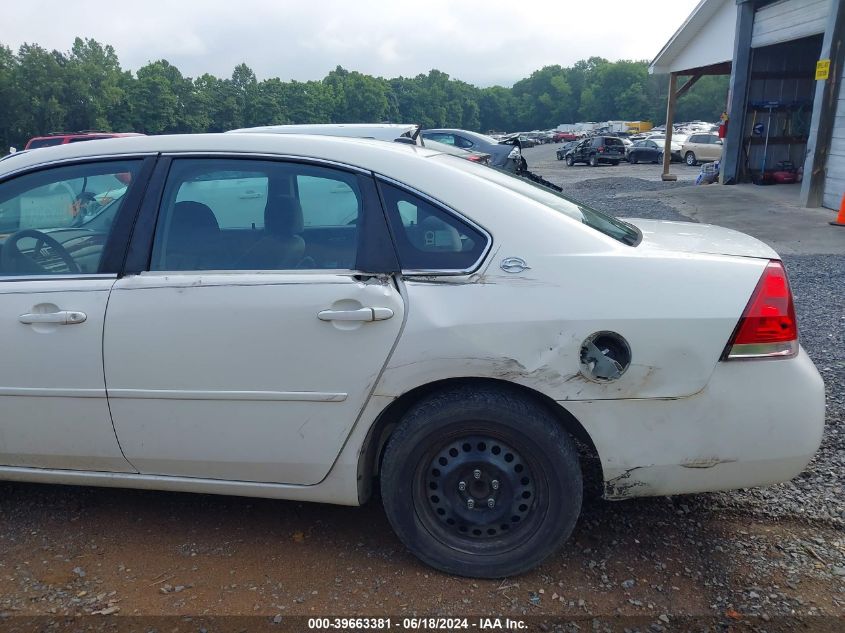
484	42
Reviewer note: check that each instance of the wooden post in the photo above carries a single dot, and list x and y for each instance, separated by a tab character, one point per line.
670	118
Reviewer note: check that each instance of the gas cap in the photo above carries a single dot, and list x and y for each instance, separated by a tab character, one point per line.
605	356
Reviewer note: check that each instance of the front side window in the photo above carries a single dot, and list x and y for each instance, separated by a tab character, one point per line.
57	221
428	237
230	214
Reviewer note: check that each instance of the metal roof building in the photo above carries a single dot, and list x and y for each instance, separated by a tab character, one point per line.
782	113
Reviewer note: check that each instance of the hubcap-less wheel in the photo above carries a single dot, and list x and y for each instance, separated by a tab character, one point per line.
481	481
478	488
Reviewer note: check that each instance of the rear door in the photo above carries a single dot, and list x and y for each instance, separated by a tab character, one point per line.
63	234
250	340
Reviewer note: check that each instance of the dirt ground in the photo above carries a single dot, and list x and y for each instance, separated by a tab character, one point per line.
71	551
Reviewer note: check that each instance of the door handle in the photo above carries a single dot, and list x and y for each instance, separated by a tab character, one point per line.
63	317
361	314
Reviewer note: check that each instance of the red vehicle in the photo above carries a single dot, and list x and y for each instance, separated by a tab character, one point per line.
560	137
61	138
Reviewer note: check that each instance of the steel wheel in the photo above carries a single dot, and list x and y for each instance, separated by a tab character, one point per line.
479	494
481	481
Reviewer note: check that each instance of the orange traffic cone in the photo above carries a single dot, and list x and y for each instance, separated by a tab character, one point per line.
840	219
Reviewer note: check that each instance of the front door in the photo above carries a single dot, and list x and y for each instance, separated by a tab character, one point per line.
56	229
249	347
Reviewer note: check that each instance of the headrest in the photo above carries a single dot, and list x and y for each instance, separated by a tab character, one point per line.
191	217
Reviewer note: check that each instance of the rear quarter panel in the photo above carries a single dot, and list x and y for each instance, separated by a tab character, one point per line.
677	311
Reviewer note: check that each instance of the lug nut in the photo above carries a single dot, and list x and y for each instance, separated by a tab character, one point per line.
462	485
470	504
476	473
491	502
495	484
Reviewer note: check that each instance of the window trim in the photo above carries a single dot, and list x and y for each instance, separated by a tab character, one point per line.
428	272
72	276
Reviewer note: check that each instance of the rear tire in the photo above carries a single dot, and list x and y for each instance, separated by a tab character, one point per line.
481	482
593	160
660	158
633	160
614	163
690	159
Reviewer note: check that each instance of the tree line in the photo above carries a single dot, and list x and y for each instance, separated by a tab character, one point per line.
85	88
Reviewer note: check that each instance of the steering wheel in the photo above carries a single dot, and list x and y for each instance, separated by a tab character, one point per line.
12	259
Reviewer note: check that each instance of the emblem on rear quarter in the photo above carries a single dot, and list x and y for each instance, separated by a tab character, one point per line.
514	265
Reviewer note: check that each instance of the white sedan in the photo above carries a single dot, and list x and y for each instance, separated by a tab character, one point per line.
304	317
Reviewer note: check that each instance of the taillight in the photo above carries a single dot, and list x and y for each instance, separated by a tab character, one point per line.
767	328
475	158
601	149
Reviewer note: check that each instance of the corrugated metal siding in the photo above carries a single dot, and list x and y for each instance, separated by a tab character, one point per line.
789	20
834	181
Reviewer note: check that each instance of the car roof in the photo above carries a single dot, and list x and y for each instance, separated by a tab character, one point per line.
475	135
360	152
378	131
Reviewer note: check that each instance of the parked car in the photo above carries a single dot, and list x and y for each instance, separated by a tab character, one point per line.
701	147
596	150
561	151
564	136
676	143
481	158
505	154
403	132
645	151
61	138
302	317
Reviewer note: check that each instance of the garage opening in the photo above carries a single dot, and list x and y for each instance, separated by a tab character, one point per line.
779	110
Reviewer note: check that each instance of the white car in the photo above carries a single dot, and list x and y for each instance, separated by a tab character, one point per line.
304	317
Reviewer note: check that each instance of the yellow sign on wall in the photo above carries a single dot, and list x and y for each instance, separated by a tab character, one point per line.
823	69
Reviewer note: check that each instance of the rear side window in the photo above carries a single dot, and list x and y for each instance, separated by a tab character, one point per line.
428	237
45	142
613	141
225	214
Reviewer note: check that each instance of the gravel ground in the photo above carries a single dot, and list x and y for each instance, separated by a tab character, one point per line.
768	559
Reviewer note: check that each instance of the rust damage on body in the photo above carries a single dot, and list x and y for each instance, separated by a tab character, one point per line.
621	486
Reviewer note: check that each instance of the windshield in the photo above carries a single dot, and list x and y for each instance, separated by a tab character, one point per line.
607	224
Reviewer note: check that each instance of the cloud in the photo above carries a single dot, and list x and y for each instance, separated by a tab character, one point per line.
480	41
